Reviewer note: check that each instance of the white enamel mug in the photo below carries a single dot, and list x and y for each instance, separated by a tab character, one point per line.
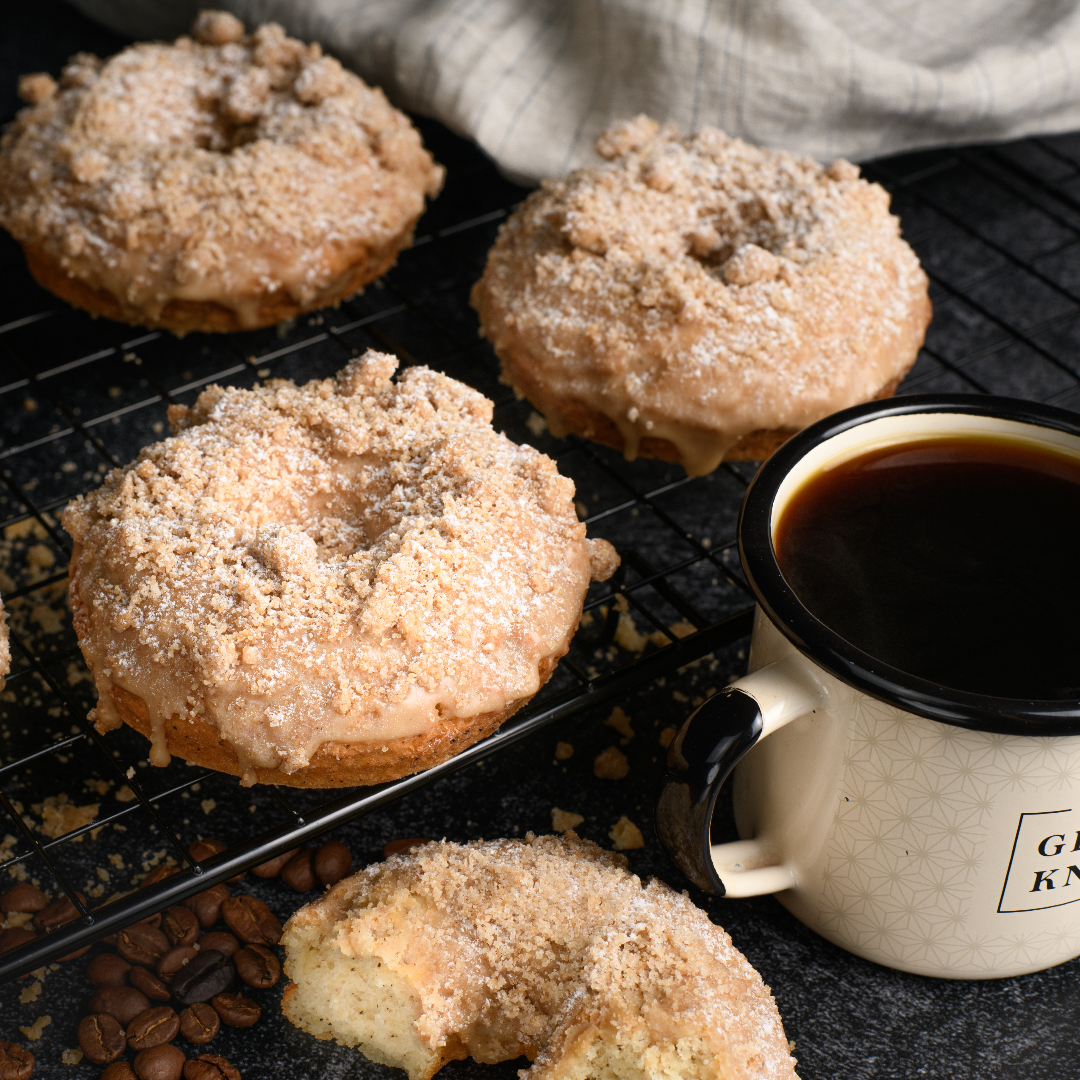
927	829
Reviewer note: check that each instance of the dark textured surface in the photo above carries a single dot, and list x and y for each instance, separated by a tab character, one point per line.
997	230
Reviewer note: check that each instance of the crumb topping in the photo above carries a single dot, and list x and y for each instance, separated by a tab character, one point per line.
517	945
227	165
348	560
699	289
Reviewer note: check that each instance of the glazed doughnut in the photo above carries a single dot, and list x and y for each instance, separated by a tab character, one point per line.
221	183
546	947
699	298
333	584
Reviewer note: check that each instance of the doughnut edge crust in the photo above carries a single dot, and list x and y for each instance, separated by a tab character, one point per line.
336	584
700	299
256	180
546	947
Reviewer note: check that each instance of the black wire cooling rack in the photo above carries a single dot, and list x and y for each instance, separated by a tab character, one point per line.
998	230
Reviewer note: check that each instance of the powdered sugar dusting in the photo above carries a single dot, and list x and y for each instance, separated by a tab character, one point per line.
526	946
699	289
351	560
229	169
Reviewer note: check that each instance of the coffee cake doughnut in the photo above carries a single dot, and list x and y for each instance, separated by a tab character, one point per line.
220	183
333	584
545	947
700	298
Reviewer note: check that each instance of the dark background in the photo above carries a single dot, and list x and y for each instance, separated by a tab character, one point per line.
997	229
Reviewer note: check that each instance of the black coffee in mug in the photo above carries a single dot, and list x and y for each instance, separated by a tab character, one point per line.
955	559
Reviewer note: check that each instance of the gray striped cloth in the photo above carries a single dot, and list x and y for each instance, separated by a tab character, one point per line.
534	81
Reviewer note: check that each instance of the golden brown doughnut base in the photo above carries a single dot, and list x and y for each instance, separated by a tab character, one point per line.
205	316
590	424
334	764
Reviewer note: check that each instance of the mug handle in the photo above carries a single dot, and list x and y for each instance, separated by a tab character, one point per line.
708	746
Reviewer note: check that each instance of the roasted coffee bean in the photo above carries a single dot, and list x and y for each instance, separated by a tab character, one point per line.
15	1062
159	873
176	958
142	944
58	913
160	1063
23	897
273	867
201	850
153	1027
199	1023
251	920
15	936
123	1003
208	974
332	862
207	904
75	955
180	925
153	921
210	1067
107	970
119	1070
221	940
407	844
257	966
101	1038
236	1010
149	984
298	873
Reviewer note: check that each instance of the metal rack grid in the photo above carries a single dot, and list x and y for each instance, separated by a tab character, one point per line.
78	397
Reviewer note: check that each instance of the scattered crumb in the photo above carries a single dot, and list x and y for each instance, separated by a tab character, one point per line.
71	1057
59	816
564	751
124	793
536	424
117	861
675	630
33	1032
667	735
621	723
582	513
30	993
586	618
626	634
561	820
679	696
207	805
612	764
17	918
625	835
98	787
102	873
40	557
130	774
48	618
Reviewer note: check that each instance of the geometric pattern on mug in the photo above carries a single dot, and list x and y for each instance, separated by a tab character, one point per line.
916	803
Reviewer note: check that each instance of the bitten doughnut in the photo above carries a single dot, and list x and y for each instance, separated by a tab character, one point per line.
220	183
699	298
546	947
336	583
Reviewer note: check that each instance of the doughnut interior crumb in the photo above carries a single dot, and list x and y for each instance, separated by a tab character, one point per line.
545	947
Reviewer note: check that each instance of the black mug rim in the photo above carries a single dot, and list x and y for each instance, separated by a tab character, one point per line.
1008	716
